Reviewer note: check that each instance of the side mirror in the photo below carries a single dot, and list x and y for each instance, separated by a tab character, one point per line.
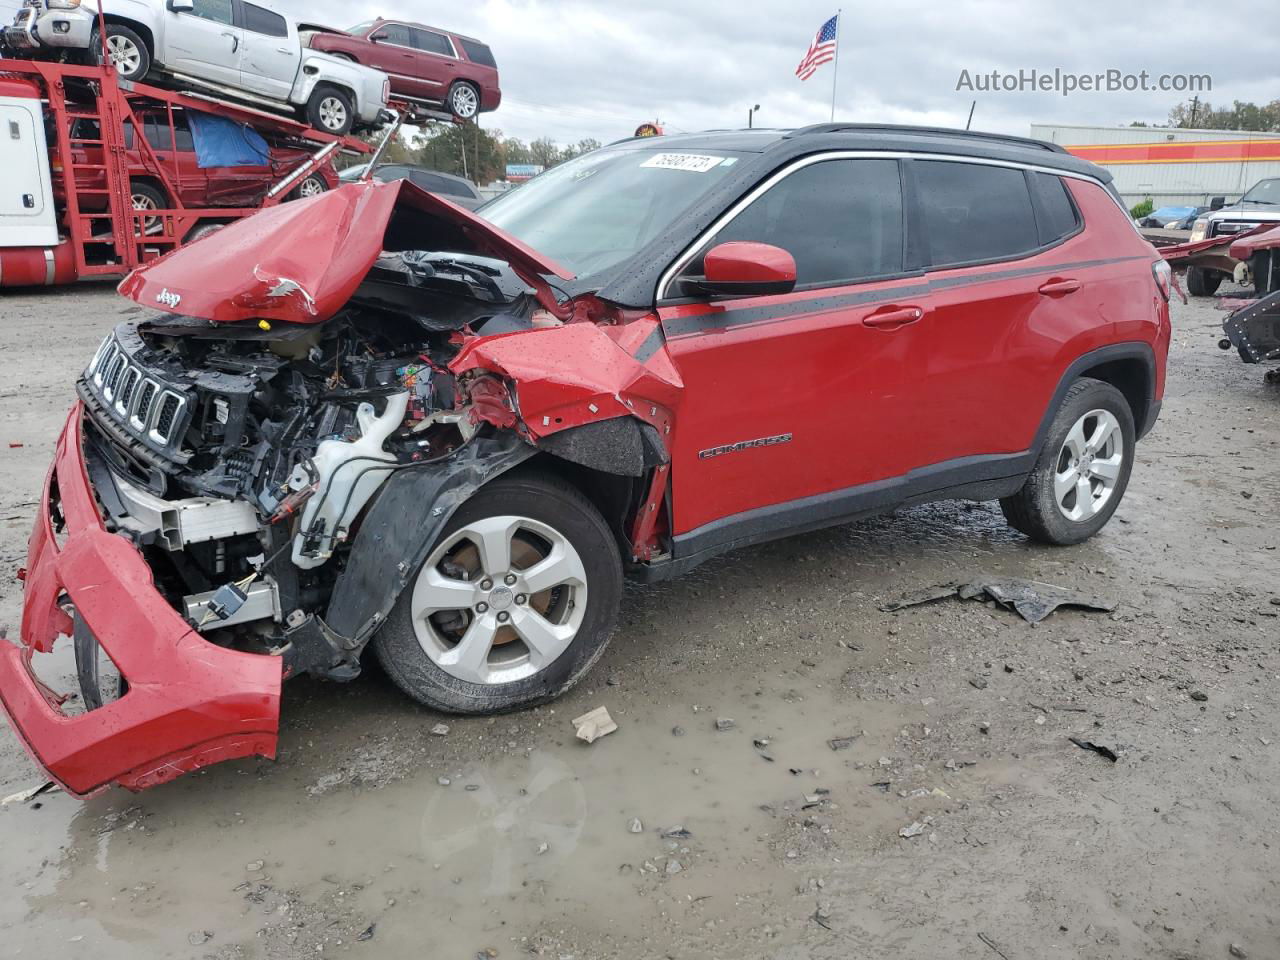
375	37
181	6
747	269
1217	203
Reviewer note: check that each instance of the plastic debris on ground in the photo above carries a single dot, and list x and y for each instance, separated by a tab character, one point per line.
1031	599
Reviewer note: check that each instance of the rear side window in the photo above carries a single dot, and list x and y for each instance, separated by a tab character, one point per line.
478	53
430	42
438	184
264	21
971	212
840	219
1056	215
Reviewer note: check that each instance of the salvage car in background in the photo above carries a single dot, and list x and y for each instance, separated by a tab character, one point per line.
425	64
238	180
458	189
375	419
249	51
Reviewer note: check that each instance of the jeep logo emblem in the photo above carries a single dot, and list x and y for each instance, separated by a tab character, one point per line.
168	298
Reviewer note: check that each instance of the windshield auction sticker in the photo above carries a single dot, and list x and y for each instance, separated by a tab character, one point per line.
691	162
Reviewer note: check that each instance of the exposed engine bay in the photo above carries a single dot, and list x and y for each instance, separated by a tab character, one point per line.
240	457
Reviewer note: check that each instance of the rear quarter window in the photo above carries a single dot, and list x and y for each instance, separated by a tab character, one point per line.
1056	215
478	53
973	212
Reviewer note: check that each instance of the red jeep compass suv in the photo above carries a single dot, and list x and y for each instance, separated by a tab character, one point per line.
378	420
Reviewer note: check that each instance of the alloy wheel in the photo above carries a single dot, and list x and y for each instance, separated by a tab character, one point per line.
310	187
141	201
124	54
1088	465
464	102
499	600
333	113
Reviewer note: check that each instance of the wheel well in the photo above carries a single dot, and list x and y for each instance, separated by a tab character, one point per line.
610	493
154	183
137	28
1132	378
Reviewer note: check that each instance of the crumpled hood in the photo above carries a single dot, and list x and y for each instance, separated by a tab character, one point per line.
299	262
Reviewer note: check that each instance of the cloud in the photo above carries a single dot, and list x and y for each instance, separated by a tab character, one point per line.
574	69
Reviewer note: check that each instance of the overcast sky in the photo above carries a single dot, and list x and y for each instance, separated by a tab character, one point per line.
573	69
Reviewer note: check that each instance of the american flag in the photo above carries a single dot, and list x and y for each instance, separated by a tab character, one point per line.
821	50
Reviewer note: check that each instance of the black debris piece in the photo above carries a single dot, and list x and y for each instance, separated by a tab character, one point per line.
1031	599
1099	748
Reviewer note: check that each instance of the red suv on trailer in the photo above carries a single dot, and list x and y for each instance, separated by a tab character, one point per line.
425	64
174	149
380	420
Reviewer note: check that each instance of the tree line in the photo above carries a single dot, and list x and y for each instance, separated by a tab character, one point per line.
1241	115
478	154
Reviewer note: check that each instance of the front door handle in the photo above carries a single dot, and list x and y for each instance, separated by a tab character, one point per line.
1058	287
893	319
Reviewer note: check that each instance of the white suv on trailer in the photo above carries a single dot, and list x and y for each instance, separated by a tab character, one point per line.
246	50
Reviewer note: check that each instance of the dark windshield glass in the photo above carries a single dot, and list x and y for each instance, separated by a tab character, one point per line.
594	212
1264	191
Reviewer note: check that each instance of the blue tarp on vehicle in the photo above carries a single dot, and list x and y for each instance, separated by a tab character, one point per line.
220	142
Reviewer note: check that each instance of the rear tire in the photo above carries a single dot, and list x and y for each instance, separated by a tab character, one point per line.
144	196
464	100
331	110
1202	282
127	51
311	186
457	645
1083	468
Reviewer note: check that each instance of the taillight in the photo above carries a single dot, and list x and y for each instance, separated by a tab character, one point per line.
1163	273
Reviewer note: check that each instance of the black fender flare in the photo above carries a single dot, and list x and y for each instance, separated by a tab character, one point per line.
405	520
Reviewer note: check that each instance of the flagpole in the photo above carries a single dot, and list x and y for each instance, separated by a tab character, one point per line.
835	67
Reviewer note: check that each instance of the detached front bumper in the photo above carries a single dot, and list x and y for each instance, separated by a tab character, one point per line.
188	703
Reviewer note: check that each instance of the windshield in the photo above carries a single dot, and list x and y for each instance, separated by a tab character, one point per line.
1264	191
360	28
596	211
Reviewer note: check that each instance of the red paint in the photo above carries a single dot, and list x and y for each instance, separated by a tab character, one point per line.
974	375
1248	244
189	702
738	262
300	262
29	266
177	169
416	74
1202	151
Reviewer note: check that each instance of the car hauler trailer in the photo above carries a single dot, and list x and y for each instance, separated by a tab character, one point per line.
52	112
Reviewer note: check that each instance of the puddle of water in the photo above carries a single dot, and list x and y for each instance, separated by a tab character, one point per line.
524	840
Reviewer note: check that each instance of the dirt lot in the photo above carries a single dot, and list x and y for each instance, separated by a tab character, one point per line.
506	837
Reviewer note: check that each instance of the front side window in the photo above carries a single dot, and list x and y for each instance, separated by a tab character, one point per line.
973	212
264	21
429	42
840	219
219	11
393	33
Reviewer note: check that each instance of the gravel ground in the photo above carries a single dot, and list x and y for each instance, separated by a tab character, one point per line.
506	837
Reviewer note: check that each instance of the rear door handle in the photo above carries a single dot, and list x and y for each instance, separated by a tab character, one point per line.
1057	288
893	319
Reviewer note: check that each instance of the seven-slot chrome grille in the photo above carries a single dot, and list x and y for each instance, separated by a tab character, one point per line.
136	400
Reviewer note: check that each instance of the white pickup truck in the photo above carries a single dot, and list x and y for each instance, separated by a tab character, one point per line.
249	51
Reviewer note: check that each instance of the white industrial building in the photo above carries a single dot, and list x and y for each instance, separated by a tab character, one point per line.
1174	167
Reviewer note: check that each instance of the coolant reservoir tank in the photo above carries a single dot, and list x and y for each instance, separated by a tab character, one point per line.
349	475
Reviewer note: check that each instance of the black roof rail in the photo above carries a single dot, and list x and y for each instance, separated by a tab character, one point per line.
925	132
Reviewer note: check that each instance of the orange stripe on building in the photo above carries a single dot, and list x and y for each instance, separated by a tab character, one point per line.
1200	151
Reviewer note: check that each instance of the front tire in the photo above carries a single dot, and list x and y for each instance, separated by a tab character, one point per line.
331	110
311	186
516	600
1082	471
126	50
143	196
1202	282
